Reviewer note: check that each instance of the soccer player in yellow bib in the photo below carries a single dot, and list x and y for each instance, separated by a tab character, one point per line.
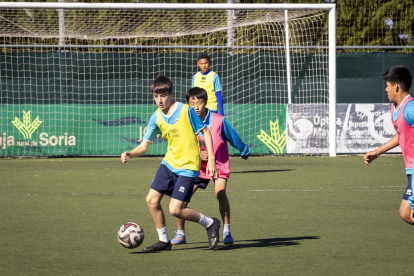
210	81
179	124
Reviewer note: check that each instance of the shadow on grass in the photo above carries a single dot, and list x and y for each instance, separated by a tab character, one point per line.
263	171
240	244
272	242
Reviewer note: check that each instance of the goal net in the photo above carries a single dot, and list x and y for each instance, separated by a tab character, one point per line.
75	78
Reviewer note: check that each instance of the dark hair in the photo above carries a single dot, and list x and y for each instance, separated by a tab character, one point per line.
203	56
162	84
400	75
197	92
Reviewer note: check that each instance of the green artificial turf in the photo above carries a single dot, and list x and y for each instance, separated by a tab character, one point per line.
290	216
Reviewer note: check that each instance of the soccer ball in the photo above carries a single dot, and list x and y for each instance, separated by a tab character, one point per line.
130	235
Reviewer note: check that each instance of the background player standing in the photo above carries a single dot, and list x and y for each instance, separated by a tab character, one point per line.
210	81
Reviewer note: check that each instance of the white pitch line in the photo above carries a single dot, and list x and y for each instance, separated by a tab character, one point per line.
336	189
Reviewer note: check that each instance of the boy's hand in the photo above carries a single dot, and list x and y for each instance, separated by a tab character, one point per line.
211	169
245	152
204	155
370	156
125	157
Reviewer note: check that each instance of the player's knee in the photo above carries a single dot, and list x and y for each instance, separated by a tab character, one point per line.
176	212
151	201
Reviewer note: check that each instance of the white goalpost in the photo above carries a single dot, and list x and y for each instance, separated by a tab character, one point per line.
75	77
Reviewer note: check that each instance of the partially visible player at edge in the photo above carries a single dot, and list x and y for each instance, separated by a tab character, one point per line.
210	81
179	124
398	80
221	132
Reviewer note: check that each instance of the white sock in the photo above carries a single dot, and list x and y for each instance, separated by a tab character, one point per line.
163	234
205	221
181	232
226	228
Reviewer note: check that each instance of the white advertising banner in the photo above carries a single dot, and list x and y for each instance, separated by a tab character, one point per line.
359	128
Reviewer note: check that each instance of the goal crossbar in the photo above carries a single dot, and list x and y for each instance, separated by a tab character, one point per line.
147	6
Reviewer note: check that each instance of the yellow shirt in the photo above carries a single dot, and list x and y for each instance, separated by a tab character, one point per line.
207	82
183	150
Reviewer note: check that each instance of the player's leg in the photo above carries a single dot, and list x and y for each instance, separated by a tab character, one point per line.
405	208
162	184
180	237
221	195
405	212
224	207
180	197
154	205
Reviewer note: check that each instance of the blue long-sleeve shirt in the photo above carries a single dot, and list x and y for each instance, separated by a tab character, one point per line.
228	134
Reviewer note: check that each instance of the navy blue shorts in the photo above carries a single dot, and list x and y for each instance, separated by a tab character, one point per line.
175	186
408	192
201	182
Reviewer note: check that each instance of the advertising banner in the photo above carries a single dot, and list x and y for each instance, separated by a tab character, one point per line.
363	127
48	130
359	128
70	129
307	128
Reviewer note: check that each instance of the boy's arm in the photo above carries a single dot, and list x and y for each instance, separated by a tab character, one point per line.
136	152
234	139
150	134
218	88
211	163
372	155
220	103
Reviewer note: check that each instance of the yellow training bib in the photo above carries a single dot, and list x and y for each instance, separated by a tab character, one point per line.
183	149
207	82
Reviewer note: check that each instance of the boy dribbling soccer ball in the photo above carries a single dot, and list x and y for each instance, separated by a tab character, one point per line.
179	124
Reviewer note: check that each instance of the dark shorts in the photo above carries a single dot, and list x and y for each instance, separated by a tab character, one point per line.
175	186
408	192
202	183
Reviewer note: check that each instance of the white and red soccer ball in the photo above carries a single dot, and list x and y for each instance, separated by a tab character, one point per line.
130	235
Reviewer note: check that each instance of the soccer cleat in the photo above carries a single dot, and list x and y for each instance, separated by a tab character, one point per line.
213	233
178	239
228	239
159	246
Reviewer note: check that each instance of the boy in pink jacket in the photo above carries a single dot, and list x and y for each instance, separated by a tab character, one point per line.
221	133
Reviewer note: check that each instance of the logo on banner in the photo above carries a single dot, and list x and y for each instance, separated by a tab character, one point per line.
276	141
27	127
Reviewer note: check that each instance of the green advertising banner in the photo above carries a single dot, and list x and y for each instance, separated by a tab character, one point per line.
72	130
